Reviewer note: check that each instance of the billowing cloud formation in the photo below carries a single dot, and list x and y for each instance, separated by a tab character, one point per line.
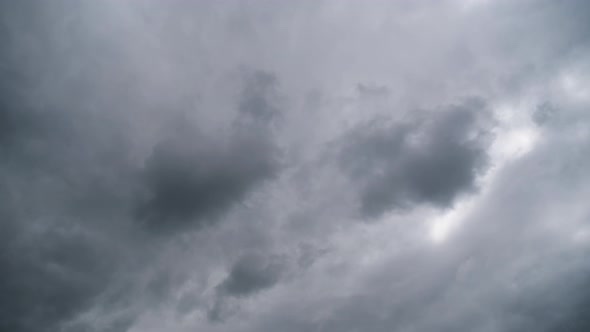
251	274
189	184
426	161
193	177
210	166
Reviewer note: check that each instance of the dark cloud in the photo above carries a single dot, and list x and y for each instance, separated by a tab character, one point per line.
98	170
193	178
191	181
56	160
251	274
431	160
12	119
49	277
71	178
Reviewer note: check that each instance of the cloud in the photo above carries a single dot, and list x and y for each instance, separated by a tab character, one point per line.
205	165
192	178
251	274
74	178
431	160
259	96
189	180
50	276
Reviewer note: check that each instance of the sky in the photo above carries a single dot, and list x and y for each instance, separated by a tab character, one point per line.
273	165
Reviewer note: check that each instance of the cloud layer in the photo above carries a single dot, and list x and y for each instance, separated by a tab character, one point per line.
311	166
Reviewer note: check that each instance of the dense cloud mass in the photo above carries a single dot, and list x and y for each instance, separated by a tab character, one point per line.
294	166
427	161
191	176
250	274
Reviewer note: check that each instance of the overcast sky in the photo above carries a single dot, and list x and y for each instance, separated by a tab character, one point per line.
315	165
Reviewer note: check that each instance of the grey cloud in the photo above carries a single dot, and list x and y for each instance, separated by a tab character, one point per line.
543	113
259	97
192	178
98	169
72	179
251	274
431	160
372	90
49	277
56	164
12	121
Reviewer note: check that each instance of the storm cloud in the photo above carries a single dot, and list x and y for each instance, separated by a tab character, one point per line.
294	166
193	177
430	160
251	274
